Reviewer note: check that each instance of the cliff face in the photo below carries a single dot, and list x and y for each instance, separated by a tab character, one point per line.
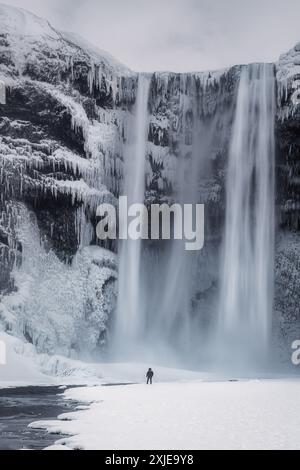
63	131
288	79
287	298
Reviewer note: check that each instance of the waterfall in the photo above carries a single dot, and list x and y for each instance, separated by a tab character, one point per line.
129	315
156	315
173	327
169	273
247	273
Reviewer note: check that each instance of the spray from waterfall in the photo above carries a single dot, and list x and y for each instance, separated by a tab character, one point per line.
129	315
172	325
157	313
247	273
170	274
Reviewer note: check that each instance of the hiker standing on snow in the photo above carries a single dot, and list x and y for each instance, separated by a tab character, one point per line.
149	376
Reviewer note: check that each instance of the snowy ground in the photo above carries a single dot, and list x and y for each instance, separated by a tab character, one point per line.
17	367
182	410
191	415
25	367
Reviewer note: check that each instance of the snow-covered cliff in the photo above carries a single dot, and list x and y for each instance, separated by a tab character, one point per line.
287	299
61	142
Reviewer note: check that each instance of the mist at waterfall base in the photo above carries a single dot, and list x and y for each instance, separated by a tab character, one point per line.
157	318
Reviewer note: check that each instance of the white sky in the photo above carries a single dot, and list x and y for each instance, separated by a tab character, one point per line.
178	35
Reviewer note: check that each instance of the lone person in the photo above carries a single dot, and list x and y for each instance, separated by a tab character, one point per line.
149	376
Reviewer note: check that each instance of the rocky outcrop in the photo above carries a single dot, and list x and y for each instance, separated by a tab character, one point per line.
62	130
288	158
287	295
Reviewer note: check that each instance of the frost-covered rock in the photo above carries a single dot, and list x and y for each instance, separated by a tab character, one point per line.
287	292
288	125
61	154
61	308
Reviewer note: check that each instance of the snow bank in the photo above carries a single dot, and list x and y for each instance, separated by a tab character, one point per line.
135	373
20	368
57	447
211	415
25	367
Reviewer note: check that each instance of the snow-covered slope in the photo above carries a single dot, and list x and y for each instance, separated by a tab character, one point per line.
26	32
22	23
95	53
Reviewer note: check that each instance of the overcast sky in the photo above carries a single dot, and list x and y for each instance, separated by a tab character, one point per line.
178	35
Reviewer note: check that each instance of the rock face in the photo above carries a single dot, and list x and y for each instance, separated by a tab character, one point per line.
61	142
63	131
287	299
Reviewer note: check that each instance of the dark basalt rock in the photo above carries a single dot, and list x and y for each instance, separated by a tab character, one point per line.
31	104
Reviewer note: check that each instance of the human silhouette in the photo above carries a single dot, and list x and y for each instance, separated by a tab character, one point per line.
149	376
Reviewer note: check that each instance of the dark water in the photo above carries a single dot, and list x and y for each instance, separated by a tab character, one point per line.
23	405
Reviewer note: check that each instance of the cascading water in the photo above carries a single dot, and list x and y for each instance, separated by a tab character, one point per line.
247	272
156	314
129	316
168	304
174	325
169	274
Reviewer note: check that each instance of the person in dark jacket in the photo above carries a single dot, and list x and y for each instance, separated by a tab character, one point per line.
149	376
